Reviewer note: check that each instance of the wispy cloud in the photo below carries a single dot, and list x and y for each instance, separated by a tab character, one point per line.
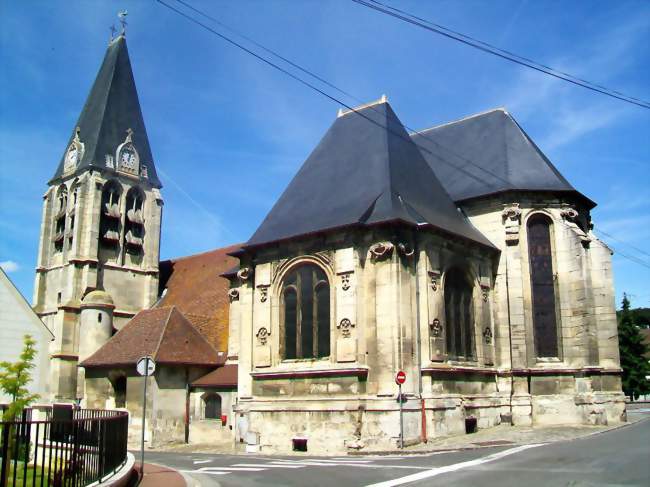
9	266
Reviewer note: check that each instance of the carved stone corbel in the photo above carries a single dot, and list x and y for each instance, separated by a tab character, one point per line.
435	328
244	273
569	213
381	250
262	335
487	335
405	250
345	280
233	294
512	220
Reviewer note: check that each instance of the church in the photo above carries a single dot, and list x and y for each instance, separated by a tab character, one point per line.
457	254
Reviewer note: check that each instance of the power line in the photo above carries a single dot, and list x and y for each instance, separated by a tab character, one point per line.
490	49
330	97
313	87
346	93
622	241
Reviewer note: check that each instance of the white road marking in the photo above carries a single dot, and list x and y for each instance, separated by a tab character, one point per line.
319	463
232	468
208	473
196	462
266	465
452	468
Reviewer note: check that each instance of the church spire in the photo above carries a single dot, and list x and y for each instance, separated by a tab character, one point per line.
110	133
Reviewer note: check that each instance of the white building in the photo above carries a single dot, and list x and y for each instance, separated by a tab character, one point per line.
17	319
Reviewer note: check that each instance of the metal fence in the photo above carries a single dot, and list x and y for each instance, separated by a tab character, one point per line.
69	448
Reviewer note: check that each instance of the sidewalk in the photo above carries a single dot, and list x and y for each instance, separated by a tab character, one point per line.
160	476
504	435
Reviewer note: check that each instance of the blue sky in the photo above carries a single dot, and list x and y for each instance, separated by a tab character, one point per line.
228	132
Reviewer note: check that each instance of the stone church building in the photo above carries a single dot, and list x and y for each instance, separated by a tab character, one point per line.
458	254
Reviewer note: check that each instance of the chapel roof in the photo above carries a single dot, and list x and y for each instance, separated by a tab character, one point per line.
366	170
112	108
161	333
193	285
223	377
489	153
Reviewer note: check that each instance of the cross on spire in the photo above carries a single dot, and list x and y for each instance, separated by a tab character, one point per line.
122	16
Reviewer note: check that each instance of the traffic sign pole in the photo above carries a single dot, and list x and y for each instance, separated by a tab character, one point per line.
401	418
400	378
144	413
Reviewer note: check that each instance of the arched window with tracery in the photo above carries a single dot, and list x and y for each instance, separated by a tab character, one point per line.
306	313
109	226
61	208
459	315
211	405
134	226
540	258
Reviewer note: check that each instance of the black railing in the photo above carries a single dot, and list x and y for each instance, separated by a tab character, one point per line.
70	448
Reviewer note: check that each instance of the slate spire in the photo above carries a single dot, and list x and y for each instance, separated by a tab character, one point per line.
110	118
366	170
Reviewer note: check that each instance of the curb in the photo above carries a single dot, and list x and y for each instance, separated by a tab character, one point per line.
479	447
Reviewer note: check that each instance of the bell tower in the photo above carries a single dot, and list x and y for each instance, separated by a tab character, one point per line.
100	227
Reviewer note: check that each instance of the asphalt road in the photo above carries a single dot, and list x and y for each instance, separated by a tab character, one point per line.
615	458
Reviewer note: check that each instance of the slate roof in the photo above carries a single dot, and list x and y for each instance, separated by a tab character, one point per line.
111	108
365	171
225	376
162	333
193	284
494	155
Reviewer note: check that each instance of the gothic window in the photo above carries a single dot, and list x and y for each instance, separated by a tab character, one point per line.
59	218
134	228
459	316
211	405
109	226
540	257
306	313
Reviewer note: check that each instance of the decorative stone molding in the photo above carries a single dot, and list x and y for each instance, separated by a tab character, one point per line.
405	250
233	295
262	335
434	279
346	327
110	163
245	273
485	290
512	220
345	280
569	213
487	335
144	171
381	250
435	328
264	292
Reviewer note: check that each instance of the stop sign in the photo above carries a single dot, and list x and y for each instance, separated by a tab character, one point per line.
400	378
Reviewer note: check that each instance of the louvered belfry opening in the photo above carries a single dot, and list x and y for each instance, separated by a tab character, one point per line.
540	257
306	307
459	315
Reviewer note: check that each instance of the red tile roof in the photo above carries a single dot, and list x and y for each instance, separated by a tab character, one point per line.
162	333
225	376
193	284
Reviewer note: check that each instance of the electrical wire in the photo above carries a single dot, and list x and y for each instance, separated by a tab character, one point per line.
488	48
330	97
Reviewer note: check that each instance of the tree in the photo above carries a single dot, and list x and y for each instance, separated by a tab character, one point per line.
634	361
14	378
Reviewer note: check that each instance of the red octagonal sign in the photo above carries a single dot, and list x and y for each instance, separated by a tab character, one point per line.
400	378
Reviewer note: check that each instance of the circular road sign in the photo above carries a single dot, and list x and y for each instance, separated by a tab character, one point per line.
400	378
148	363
